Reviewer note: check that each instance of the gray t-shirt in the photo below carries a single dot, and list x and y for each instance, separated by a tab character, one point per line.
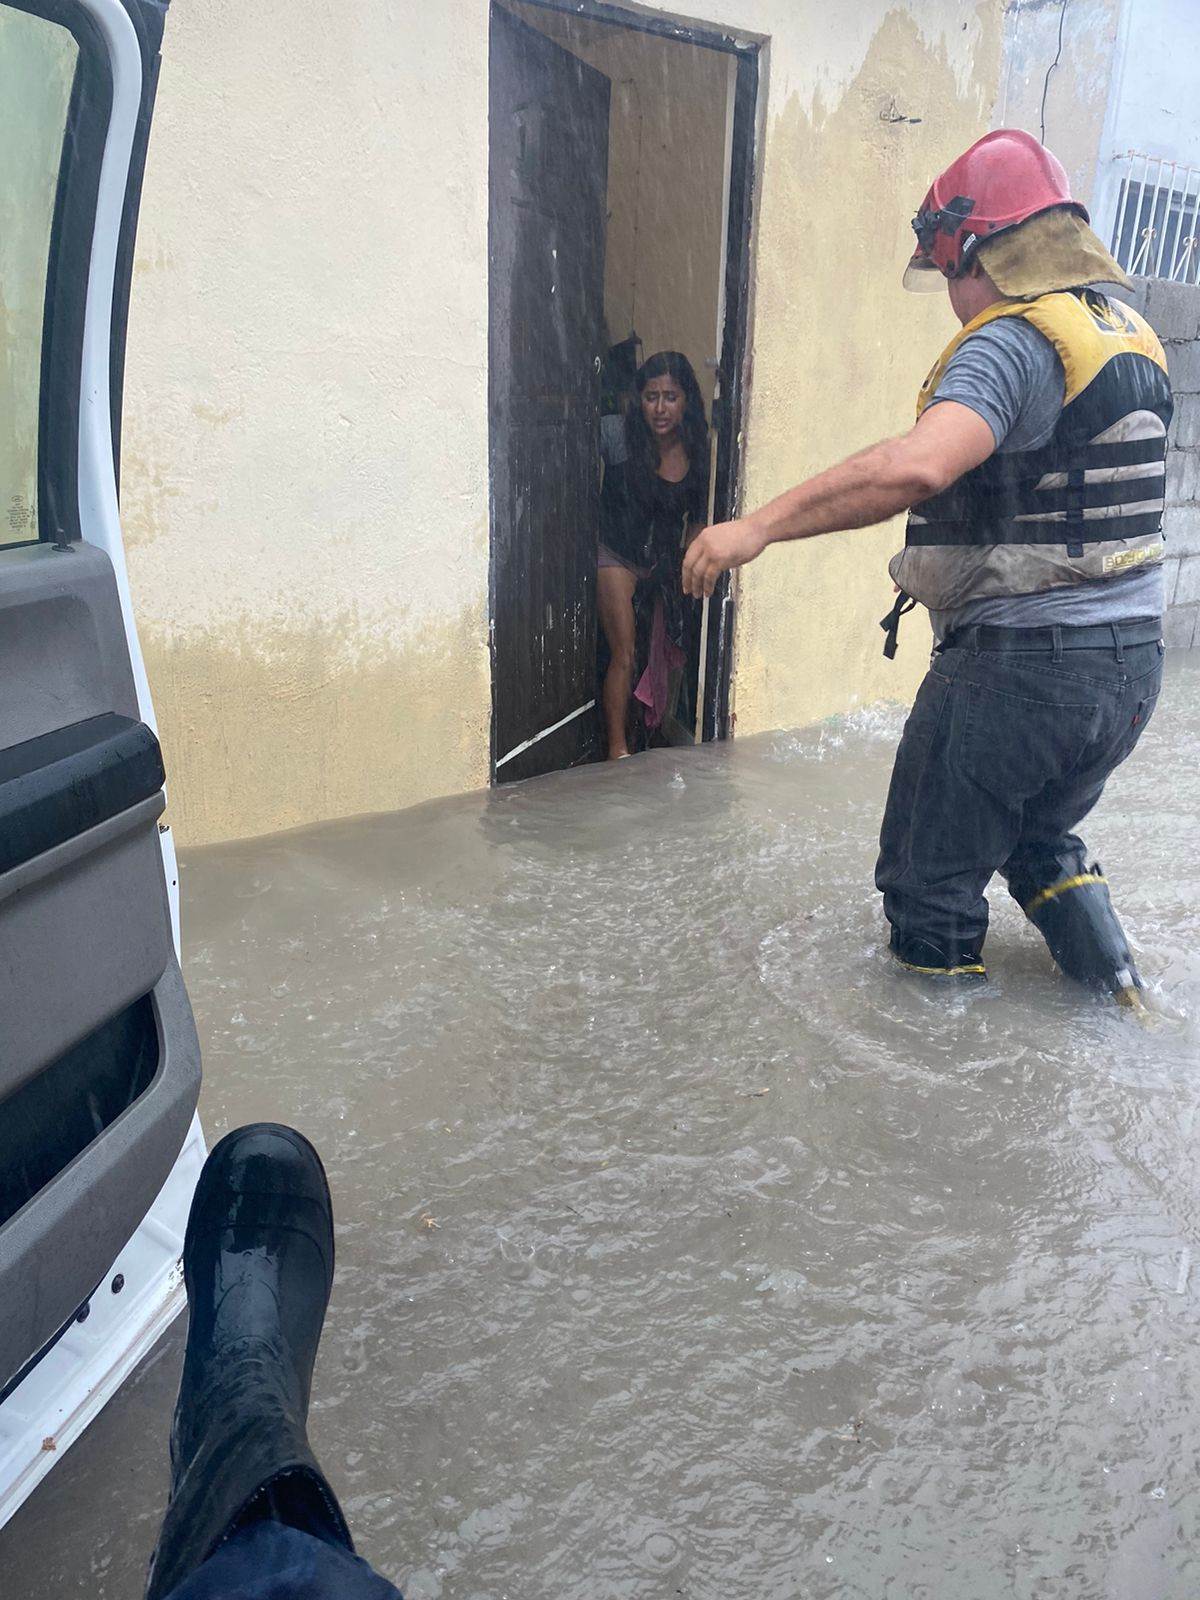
613	448
1011	376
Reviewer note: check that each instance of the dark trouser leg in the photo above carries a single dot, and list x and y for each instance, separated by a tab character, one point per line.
943	834
1048	849
1002	755
273	1561
1068	901
1048	872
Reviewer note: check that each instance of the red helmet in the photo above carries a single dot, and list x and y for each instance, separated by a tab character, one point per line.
1003	179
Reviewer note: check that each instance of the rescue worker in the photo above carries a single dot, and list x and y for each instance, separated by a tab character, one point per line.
1035	479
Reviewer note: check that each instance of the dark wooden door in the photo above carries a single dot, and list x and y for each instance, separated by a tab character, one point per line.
547	209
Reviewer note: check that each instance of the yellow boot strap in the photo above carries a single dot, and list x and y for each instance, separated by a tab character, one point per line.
975	969
1061	887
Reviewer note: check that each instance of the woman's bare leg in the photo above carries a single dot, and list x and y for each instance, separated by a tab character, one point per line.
615	586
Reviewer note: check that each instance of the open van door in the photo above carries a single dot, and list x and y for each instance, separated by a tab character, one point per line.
99	1063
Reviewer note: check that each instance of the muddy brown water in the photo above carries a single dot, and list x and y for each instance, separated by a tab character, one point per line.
685	1247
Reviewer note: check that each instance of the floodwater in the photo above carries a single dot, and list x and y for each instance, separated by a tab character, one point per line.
686	1247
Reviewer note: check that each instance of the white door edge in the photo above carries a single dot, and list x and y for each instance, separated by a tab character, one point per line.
46	1413
99	516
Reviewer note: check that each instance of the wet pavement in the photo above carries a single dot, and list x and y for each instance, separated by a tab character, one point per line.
685	1247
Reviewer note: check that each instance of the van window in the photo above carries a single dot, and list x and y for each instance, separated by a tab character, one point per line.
37	69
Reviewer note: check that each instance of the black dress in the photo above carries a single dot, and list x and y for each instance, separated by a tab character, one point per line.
644	523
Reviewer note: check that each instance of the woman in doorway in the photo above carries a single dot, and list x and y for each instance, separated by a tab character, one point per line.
653	503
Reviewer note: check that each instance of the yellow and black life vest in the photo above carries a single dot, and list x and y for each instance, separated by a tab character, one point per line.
1085	506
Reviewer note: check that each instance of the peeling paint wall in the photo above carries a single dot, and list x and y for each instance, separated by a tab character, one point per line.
305	445
1126	79
1060	60
839	348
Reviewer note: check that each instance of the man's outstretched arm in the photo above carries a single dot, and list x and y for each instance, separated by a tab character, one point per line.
866	488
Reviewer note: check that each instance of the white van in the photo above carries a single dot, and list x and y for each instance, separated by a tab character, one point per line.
99	1062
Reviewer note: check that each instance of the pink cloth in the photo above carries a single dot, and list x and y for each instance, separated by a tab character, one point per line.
654	684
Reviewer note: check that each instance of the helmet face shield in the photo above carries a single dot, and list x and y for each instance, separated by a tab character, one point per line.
922	277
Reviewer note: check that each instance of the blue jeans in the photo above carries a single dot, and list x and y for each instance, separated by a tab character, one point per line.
1010	741
270	1561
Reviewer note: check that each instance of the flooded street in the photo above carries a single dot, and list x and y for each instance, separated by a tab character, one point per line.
685	1246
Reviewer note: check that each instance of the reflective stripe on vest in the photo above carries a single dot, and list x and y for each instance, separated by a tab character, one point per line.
1085	506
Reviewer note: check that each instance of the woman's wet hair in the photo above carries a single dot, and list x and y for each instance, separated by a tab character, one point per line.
643	447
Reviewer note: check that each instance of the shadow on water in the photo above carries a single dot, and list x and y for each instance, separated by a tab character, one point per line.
685	1247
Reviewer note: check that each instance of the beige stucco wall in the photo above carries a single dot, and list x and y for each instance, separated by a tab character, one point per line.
305	447
305	450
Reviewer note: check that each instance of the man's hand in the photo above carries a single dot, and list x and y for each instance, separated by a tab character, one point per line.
718	549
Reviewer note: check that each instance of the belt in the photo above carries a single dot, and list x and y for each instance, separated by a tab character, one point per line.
1097	636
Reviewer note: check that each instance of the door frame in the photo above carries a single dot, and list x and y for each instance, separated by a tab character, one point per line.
729	409
83	349
552	728
96	212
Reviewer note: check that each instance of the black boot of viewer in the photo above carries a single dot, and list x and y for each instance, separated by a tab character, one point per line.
258	1264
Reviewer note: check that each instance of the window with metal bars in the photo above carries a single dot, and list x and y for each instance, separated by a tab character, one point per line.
1156	230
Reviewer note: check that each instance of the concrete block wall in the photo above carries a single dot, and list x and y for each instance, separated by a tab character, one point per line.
1173	309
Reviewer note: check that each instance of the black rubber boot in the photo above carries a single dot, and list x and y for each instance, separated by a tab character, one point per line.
933	959
258	1263
1074	914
